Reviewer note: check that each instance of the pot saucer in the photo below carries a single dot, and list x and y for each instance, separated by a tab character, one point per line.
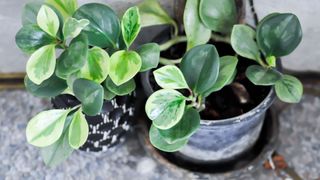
246	162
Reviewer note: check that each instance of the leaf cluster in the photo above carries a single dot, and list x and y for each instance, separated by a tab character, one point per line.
83	51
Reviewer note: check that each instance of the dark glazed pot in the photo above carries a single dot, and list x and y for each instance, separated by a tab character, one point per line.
109	126
225	139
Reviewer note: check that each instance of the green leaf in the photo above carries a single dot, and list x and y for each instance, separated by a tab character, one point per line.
243	42
196	32
157	141
170	77
96	66
165	108
60	150
271	60
200	67
188	125
73	27
228	65
124	65
31	37
121	90
41	64
108	95
46	128
73	58
48	88
104	27
259	75
78	130
130	25
289	89
48	20
30	12
153	14
65	7
218	15
90	94
150	56
279	34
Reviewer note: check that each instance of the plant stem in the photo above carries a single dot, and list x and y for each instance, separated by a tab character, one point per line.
165	61
173	41
219	38
76	107
262	63
176	28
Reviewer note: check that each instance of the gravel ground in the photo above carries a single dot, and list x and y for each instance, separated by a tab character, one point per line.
300	144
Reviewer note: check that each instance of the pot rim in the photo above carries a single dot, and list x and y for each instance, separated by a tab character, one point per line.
260	108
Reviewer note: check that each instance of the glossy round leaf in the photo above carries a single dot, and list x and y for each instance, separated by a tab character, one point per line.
218	15
150	56
228	65
188	125
78	130
104	27
165	108
262	76
96	66
41	64
289	89
243	42
73	27
108	95
46	128
90	94
30	12
48	88
31	37
200	67
279	34
121	90
48	20
59	151
196	32
124	65
170	77
73	58
65	7
157	141
130	25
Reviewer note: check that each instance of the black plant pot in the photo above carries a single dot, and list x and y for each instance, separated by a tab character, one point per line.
109	126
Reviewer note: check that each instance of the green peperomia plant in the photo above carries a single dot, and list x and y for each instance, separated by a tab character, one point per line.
175	113
276	35
175	117
85	52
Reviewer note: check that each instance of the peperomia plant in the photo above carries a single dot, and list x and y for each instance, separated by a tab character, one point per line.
175	116
276	35
85	52
173	111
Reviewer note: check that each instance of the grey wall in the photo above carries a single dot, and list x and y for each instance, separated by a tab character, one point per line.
304	58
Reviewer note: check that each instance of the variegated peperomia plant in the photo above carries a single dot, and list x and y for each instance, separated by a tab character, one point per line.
85	52
175	115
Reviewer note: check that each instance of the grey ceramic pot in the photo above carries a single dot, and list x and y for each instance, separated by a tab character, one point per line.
225	139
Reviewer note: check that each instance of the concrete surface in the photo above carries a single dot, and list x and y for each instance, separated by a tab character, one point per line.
304	58
300	145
